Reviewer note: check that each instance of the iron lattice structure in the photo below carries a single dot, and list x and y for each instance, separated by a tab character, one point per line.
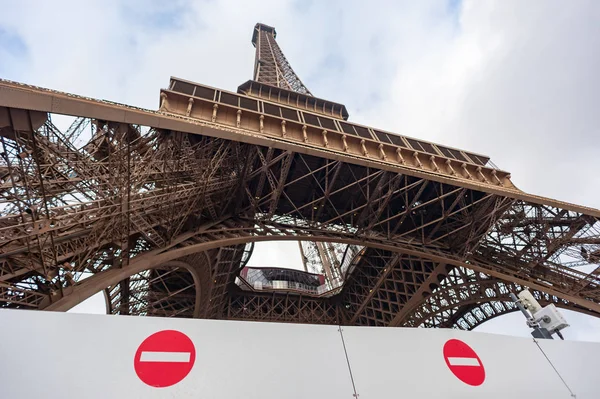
270	65
160	209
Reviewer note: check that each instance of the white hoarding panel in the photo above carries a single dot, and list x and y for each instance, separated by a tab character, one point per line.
444	363
62	355
578	363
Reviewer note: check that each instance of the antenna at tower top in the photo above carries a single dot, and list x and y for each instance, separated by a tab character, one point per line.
270	65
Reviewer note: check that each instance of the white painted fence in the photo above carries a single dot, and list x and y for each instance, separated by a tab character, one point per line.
65	355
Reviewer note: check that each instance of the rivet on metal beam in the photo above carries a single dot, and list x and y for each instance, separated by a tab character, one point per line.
325	141
344	143
261	123
364	148
214	114
283	132
304	135
238	120
189	107
382	152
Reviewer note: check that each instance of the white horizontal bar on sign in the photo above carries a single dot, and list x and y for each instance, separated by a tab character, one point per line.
463	361
169	357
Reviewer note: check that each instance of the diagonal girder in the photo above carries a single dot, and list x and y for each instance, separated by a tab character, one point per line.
123	193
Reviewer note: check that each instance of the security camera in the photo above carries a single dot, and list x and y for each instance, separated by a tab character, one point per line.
544	321
529	302
550	318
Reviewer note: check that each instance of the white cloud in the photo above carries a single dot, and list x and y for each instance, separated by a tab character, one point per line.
515	80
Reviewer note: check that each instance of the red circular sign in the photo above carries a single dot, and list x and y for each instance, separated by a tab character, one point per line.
164	358
464	362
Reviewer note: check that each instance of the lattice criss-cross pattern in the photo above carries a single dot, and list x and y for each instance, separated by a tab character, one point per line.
160	210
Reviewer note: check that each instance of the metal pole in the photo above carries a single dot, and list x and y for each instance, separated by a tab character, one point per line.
538	332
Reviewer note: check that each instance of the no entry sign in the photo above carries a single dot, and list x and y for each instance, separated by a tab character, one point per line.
464	362
164	358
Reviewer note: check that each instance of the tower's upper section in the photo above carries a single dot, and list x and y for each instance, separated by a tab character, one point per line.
270	65
262	27
275	80
271	110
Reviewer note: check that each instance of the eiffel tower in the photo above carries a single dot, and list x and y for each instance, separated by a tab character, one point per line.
160	210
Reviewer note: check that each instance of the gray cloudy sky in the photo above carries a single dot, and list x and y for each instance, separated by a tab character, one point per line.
517	80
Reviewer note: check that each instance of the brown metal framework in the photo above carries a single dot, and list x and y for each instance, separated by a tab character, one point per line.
160	210
270	65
